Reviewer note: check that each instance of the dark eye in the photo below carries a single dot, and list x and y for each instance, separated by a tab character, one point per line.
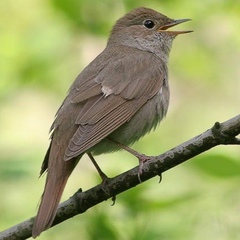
149	24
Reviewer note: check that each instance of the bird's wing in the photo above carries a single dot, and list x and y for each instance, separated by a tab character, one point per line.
111	98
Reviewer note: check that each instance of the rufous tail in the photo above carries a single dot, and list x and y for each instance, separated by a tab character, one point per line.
57	177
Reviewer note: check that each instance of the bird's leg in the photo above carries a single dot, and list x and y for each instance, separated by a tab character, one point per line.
103	176
141	157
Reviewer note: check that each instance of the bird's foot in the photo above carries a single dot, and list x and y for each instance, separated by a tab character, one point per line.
142	159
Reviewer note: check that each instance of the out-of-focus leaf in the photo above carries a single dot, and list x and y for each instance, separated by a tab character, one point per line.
136	201
13	170
88	16
221	166
101	228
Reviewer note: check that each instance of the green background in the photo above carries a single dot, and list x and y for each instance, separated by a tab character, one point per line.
45	44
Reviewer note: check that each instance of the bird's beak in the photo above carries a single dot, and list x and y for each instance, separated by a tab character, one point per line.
174	23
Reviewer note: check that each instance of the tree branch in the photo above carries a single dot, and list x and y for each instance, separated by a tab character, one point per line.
220	134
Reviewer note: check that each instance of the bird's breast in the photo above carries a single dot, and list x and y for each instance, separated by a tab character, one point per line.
147	118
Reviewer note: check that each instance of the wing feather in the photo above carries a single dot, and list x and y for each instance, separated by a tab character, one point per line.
88	135
93	90
97	108
131	80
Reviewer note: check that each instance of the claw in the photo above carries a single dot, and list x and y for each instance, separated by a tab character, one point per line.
142	158
160	178
113	200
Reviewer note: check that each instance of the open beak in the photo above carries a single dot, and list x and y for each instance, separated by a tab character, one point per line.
174	23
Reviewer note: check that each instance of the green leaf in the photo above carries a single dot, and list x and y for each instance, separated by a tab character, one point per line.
218	165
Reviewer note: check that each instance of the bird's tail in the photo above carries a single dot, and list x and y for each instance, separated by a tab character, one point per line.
57	177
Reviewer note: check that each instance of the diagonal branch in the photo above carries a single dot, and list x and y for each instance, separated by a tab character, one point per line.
220	134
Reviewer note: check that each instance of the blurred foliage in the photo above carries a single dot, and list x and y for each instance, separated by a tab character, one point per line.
45	44
221	166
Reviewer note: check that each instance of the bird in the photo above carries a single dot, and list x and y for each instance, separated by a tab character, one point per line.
118	98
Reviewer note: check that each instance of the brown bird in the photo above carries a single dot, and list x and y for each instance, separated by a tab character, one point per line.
118	98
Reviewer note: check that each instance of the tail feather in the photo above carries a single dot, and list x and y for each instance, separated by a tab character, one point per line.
49	204
58	170
57	176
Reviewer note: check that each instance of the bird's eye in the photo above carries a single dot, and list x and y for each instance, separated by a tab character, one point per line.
149	24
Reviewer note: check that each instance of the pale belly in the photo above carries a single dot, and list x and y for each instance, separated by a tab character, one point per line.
145	120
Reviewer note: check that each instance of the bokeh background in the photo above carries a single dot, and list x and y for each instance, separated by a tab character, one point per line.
45	44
